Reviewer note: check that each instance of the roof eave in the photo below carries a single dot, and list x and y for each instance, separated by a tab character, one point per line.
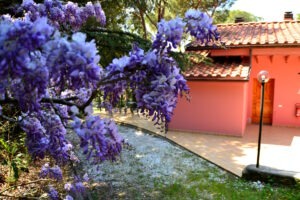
286	45
219	79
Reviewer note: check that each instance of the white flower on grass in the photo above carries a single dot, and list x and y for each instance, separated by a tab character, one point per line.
258	185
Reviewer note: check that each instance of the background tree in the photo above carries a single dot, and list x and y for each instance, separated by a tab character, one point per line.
216	9
247	17
143	15
8	6
298	16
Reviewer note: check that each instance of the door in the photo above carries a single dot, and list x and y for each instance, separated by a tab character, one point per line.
268	101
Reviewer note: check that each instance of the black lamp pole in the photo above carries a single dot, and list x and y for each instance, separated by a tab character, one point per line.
261	120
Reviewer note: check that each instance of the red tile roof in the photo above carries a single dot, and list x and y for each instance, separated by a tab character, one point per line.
285	33
218	71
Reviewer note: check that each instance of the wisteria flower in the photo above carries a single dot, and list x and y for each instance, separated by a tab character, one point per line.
70	15
68	186
68	197
51	172
53	194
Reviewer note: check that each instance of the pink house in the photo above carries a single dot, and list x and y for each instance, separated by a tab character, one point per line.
225	96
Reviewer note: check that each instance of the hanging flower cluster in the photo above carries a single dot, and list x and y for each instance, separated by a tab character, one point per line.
155	80
72	64
23	69
51	172
154	76
46	135
200	26
69	16
36	140
99	138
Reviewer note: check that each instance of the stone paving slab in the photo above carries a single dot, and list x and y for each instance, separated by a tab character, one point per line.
270	175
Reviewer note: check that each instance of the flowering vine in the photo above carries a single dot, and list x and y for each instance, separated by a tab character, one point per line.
53	78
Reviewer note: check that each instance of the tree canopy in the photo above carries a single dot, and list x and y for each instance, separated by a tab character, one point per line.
142	16
247	17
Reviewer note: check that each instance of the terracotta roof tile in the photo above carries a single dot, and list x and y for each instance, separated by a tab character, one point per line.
218	71
285	33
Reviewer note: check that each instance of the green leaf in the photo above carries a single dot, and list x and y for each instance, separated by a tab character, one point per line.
4	144
15	170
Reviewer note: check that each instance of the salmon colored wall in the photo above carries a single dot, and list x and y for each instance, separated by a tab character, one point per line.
215	107
284	67
231	52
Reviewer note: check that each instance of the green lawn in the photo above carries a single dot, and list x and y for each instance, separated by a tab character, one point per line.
199	185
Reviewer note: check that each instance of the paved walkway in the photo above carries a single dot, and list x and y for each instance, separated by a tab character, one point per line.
280	145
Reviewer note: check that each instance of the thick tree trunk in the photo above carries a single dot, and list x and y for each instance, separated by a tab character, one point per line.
197	6
143	24
161	10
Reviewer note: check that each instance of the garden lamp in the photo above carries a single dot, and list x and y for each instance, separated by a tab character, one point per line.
263	77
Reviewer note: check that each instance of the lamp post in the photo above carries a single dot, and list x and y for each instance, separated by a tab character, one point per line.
263	77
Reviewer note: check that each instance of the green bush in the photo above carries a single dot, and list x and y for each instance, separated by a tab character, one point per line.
13	152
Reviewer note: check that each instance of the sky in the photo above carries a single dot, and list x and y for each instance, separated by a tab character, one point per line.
270	10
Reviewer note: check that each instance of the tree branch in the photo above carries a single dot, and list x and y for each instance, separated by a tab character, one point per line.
58	114
8	118
22	184
18	197
107	80
58	101
151	21
44	100
114	31
143	23
198	4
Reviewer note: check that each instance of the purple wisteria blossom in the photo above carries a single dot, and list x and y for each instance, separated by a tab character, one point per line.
68	197
157	93
200	26
56	132
154	76
37	142
76	189
46	135
169	33
73	64
99	138
68	186
196	23
21	61
99	13
53	194
69	16
79	188
51	172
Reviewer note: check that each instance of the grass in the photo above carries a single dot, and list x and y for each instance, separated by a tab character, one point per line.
200	185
